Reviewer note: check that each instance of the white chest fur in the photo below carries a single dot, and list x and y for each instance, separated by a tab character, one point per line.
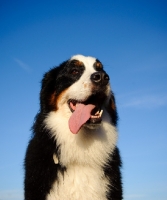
84	156
80	183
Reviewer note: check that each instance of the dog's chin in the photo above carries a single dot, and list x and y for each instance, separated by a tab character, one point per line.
92	126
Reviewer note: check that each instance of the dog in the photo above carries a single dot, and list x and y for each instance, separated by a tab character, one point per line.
72	154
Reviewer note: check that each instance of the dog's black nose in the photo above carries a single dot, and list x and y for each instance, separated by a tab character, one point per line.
100	78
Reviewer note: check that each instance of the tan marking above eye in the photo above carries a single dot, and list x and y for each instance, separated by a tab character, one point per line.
99	65
78	63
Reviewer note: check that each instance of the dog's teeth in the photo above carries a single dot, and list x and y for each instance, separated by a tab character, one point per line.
100	114
97	113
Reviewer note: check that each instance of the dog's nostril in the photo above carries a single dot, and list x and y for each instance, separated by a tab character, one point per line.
106	77
100	78
96	77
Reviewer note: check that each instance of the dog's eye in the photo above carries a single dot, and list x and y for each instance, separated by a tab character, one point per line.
74	71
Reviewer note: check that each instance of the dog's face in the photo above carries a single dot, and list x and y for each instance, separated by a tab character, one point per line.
79	89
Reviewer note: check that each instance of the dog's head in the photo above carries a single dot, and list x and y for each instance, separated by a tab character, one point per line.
79	89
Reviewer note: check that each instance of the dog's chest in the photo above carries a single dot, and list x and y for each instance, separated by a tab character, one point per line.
79	183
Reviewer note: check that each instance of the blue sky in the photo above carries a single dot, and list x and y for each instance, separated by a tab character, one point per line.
130	38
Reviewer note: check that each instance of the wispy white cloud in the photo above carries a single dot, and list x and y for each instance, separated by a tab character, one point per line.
23	65
11	195
145	101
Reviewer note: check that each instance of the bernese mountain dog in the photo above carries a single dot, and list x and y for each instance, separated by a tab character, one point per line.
72	154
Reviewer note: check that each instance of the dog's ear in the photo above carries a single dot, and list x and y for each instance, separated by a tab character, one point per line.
113	109
48	89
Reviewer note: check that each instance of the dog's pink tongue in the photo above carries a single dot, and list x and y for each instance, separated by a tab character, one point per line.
81	114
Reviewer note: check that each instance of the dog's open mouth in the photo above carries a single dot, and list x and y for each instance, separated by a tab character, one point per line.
84	112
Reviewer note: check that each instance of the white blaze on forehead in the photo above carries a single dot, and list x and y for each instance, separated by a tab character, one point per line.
87	60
